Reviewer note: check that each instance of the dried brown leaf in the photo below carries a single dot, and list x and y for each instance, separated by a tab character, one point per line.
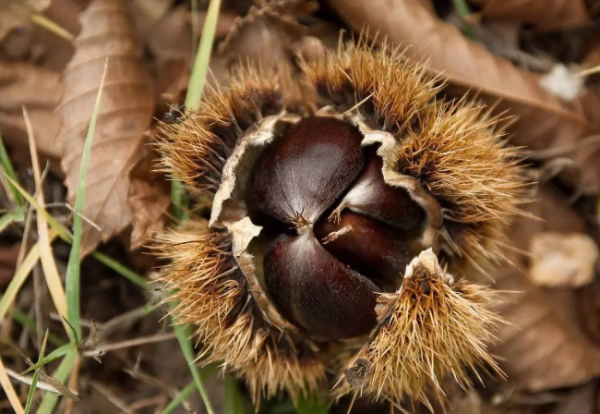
37	89
125	113
543	120
545	347
149	197
542	14
15	12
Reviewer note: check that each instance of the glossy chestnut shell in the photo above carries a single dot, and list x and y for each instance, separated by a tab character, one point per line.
347	233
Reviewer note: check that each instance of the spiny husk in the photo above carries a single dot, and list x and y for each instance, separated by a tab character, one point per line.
396	90
195	148
204	279
432	329
461	160
455	152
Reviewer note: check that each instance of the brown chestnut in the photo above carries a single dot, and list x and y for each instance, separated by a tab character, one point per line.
304	171
317	291
374	249
371	196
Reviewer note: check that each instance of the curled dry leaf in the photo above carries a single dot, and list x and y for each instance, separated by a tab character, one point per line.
563	260
543	120
125	113
39	90
544	347
15	12
149	197
542	14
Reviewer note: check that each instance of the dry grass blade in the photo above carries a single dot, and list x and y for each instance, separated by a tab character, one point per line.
59	387
105	32
46	254
51	26
40	385
20	276
542	14
15	12
8	388
543	121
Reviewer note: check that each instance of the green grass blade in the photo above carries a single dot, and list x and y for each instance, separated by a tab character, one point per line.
6	220
8	169
188	390
59	352
72	279
183	336
234	402
463	10
62	373
124	271
18	279
183	395
34	380
200	69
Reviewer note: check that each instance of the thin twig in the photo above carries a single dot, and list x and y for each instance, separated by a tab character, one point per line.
111	397
115	323
128	344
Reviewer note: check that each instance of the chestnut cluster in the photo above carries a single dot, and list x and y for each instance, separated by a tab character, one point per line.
352	231
348	205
